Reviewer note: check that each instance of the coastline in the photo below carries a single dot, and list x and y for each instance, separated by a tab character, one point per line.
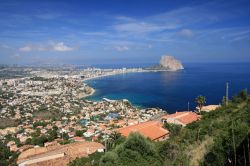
106	75
112	74
116	73
90	94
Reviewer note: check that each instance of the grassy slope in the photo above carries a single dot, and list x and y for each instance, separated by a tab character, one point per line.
214	134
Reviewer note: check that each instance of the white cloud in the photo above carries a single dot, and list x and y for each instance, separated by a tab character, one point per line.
125	18
186	33
4	46
121	48
16	55
26	48
61	47
29	48
48	16
240	38
194	15
141	27
95	33
238	35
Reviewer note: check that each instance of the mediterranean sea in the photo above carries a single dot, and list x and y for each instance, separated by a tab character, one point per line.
172	91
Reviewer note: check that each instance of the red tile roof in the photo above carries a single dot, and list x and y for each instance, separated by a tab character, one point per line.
78	139
150	129
184	117
69	151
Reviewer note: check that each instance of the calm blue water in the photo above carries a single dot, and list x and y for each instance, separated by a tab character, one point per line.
173	90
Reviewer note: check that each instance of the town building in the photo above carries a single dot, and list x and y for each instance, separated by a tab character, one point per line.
209	108
58	155
181	118
150	129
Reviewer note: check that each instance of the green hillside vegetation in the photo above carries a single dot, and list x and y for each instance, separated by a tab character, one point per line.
214	140
136	150
7	158
221	137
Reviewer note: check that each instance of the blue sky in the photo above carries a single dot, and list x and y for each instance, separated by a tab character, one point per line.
123	31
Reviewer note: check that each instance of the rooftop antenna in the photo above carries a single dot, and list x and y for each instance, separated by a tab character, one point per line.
227	86
188	105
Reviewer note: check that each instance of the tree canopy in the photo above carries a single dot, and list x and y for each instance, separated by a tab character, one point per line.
136	150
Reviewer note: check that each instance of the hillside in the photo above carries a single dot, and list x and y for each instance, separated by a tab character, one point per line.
219	138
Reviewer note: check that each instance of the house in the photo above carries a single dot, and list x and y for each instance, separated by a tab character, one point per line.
59	155
111	116
150	129
23	138
102	127
25	147
78	139
89	133
10	143
181	118
13	148
121	123
209	108
43	131
53	143
71	134
8	130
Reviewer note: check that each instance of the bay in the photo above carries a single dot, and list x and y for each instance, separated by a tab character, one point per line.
172	91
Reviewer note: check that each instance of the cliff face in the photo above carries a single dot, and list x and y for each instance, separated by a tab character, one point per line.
170	63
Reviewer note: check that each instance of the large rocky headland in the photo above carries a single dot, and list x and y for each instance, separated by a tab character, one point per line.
168	63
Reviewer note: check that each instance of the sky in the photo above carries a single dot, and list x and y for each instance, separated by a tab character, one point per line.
123	31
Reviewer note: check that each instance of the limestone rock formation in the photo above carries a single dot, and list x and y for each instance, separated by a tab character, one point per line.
170	63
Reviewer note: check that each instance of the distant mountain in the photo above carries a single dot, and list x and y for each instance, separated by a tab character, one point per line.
168	63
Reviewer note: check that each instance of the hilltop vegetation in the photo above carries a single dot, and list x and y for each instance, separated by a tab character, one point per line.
221	137
214	140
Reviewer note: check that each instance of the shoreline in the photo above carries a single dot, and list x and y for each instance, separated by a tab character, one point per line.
127	72
106	75
90	94
113	74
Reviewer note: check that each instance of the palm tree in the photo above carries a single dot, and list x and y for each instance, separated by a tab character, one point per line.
200	100
114	136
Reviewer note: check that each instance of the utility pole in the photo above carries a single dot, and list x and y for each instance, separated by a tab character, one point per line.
188	106
227	86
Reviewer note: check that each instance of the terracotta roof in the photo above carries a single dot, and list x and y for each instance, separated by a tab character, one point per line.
184	117
25	147
78	139
102	127
69	151
150	129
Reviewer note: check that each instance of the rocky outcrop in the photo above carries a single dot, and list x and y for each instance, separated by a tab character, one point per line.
170	63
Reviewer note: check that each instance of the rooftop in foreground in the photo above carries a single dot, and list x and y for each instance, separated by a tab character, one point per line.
151	129
59	155
181	118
